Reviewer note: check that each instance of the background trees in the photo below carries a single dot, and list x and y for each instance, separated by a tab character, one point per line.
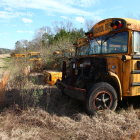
48	40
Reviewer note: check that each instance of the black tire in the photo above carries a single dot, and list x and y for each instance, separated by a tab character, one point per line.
101	96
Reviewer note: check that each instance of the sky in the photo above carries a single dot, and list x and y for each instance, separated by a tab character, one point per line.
20	19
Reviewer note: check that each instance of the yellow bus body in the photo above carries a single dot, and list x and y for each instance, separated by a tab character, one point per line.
51	77
128	71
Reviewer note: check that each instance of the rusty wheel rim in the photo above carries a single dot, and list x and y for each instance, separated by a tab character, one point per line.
103	100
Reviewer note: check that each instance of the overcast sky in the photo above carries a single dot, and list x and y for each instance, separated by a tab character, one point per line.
19	19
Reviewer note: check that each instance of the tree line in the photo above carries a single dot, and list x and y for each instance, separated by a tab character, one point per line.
48	40
4	51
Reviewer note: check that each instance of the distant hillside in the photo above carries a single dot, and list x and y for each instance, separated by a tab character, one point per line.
4	51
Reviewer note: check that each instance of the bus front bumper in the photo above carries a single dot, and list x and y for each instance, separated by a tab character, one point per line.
74	92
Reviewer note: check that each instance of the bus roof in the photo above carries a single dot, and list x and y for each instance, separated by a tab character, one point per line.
20	55
104	26
33	53
133	24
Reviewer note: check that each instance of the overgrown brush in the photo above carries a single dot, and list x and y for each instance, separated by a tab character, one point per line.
38	111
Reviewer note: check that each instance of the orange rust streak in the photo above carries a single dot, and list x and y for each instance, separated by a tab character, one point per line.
4	80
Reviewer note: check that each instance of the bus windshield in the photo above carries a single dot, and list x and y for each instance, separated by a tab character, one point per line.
83	50
109	44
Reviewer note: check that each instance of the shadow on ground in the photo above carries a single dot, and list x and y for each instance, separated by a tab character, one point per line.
36	78
130	102
50	99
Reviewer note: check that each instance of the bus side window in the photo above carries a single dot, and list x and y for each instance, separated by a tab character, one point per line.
136	42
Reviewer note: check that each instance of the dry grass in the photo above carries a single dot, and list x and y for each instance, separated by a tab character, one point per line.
38	112
2	63
39	124
4	55
57	117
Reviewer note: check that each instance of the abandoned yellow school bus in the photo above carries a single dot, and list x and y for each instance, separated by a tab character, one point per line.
35	58
51	76
107	68
19	56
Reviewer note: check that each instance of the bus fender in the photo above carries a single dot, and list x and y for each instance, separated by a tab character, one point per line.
115	76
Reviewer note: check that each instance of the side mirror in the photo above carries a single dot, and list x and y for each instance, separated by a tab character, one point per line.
125	57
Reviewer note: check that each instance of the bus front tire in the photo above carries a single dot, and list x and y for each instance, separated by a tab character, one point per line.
102	96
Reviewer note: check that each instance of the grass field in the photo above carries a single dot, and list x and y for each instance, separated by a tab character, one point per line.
34	111
4	61
58	117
